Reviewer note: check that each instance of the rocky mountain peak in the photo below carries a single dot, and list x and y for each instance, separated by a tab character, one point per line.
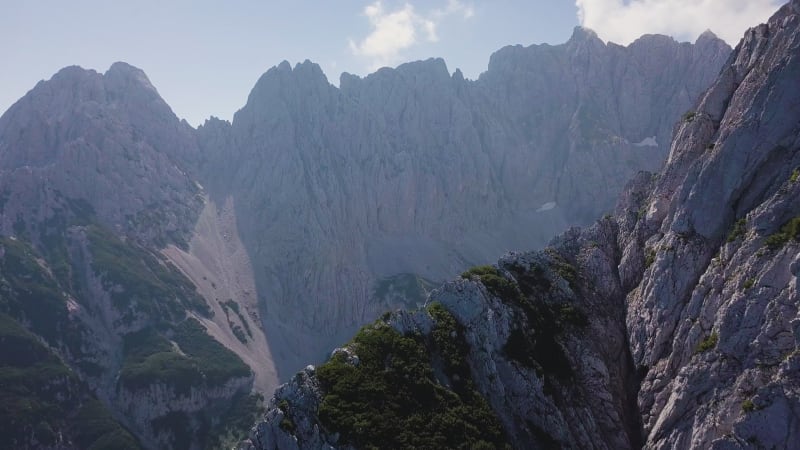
72	74
127	78
309	69
407	79
434	67
582	34
706	36
282	76
92	137
285	90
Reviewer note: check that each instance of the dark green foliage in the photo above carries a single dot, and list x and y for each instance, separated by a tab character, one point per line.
230	305
519	348
539	348
738	231
748	283
29	294
392	399
202	361
180	425
39	395
287	424
244	411
217	363
649	258
563	268
641	212
150	358
789	231
447	338
795	175
495	283
535	341
708	343
570	315
748	406
96	429
480	270
149	285
199	431
689	116
545	439
533	280
30	378
239	333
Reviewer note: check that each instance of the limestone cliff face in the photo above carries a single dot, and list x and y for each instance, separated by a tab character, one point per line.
712	323
689	292
414	171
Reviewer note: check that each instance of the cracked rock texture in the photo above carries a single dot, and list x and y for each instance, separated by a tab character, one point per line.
690	292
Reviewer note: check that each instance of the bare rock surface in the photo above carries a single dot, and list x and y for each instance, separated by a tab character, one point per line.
106	139
689	290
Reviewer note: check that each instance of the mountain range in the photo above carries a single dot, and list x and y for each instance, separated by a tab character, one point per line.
165	276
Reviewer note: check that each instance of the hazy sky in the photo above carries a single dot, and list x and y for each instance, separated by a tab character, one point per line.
204	56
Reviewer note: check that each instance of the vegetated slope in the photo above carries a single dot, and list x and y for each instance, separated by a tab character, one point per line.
44	402
345	196
671	324
94	179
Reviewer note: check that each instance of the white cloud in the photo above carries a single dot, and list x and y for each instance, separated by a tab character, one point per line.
455	7
623	21
395	31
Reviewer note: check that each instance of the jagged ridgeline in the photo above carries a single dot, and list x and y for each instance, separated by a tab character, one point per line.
354	200
672	323
167	275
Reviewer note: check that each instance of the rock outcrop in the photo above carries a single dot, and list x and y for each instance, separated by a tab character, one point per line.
671	324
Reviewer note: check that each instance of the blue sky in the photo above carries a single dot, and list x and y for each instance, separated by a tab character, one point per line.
204	56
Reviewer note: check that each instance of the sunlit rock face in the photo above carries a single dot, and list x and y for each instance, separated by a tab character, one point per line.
671	323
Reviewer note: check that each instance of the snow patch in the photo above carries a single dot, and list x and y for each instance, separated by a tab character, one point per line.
648	142
546	207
